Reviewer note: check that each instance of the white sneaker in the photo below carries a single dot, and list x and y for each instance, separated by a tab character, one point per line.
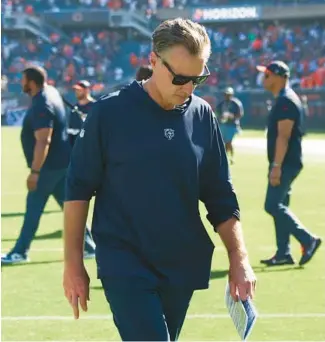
13	258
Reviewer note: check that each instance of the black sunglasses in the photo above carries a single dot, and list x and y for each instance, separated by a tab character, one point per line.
181	80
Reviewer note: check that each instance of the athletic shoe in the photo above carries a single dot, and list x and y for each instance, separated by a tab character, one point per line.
279	261
13	258
309	251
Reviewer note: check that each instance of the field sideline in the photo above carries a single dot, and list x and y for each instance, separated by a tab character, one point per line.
290	300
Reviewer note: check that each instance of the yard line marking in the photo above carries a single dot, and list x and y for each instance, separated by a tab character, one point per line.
315	147
192	316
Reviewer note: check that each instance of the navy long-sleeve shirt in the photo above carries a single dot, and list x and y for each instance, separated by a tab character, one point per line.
149	167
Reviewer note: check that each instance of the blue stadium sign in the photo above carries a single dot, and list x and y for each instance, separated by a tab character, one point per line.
217	14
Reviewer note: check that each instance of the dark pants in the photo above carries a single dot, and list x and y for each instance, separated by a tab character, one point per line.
72	139
51	182
143	311
286	223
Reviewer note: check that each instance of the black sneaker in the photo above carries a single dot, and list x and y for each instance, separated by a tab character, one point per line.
309	251
278	261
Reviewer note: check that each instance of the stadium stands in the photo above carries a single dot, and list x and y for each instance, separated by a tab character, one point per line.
98	40
105	56
32	6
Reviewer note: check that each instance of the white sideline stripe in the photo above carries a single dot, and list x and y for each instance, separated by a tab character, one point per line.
314	147
193	316
184	340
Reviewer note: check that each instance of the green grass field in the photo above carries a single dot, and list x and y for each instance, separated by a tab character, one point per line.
290	300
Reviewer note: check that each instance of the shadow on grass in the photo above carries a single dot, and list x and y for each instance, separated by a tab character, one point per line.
96	287
55	235
266	269
20	214
217	274
32	263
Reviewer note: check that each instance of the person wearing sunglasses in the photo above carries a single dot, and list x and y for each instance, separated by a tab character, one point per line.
284	137
155	150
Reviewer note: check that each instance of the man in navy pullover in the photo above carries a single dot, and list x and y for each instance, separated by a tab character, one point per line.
149	153
47	150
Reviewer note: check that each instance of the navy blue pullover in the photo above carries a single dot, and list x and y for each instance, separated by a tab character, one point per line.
149	167
47	111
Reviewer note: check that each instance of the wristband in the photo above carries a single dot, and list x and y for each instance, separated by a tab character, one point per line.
35	172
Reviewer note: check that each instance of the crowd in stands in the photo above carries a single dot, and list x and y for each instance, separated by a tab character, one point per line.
238	49
88	55
34	6
95	54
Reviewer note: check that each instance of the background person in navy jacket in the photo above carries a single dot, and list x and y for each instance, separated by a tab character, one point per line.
284	151
155	150
47	150
80	110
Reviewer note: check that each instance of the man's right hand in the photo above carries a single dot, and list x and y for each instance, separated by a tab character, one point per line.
76	286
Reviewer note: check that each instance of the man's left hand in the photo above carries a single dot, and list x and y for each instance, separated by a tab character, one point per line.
275	176
242	280
32	181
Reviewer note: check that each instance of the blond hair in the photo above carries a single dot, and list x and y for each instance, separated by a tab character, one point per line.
182	32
